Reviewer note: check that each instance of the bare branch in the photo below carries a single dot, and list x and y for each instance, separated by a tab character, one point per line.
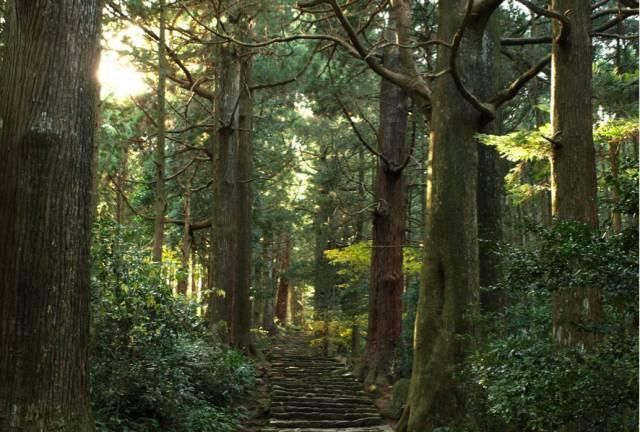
150	33
510	92
526	41
193	87
622	14
632	36
359	135
614	11
287	81
413	85
486	111
194	225
565	23
271	41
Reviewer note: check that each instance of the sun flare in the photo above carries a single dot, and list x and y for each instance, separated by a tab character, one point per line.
118	77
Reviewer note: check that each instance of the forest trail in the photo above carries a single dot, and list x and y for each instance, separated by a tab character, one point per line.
312	393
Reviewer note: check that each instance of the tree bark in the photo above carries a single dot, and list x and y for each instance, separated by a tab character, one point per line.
227	97
322	221
159	154
183	280
491	167
573	166
297	306
387	278
269	284
449	294
241	305
283	283
47	125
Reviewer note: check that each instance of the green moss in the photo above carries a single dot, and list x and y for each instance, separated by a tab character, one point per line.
399	397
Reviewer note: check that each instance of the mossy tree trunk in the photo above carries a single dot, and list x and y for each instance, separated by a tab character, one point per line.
491	167
47	126
573	165
241	304
448	304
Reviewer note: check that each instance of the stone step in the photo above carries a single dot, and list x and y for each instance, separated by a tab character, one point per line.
286	397
312	393
327	405
329	380
322	415
306	369
382	428
361	410
325	424
310	386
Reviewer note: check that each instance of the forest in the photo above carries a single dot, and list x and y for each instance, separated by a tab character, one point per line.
319	215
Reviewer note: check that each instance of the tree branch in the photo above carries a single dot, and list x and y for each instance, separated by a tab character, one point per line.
193	227
364	142
484	8
510	92
622	15
413	85
564	21
632	36
486	111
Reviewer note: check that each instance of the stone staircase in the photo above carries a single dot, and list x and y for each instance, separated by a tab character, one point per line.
316	394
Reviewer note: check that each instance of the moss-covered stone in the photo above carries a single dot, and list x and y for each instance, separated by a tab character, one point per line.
399	397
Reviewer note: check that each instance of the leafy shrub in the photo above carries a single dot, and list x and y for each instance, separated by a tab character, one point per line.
153	368
530	383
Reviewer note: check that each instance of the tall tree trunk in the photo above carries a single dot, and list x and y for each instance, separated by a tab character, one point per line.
269	287
491	167
159	154
283	283
227	97
258	282
387	278
294	305
322	271
183	280
241	305
47	124
573	166
212	298
449	293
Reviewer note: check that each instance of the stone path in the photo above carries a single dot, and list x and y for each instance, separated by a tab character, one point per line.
316	394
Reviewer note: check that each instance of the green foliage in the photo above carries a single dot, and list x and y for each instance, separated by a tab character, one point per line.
615	90
152	366
531	383
522	145
355	260
626	183
615	131
340	332
530	152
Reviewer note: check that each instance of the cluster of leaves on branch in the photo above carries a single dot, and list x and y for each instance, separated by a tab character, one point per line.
355	260
153	365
